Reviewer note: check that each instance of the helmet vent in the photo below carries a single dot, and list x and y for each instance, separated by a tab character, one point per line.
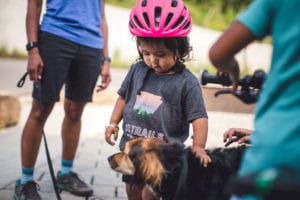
174	3
137	21
146	19
144	3
131	24
157	16
178	22
187	25
169	17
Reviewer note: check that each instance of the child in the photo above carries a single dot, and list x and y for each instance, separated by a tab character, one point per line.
275	140
159	96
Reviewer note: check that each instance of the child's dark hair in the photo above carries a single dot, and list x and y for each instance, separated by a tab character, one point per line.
180	46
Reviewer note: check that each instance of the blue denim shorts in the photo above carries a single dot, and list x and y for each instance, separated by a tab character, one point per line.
67	64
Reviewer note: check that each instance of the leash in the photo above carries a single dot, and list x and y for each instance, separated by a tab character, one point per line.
56	189
182	178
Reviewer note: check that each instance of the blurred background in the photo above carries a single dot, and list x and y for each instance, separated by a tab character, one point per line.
210	17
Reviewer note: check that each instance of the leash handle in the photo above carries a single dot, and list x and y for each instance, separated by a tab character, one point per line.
22	80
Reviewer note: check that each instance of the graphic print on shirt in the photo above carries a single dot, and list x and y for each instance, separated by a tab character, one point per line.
146	104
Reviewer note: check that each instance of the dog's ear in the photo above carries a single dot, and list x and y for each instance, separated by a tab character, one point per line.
155	162
151	168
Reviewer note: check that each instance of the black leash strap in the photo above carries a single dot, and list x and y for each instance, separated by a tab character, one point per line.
22	80
56	189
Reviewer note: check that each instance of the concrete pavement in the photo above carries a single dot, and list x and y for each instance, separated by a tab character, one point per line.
91	160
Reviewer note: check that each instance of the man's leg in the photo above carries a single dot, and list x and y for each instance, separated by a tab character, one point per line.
26	188
71	128
80	84
68	180
32	132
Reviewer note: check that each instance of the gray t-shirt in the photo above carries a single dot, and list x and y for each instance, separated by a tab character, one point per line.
160	106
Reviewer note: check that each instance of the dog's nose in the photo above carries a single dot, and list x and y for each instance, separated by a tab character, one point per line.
109	158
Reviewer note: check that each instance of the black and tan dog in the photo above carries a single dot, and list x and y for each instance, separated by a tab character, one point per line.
174	172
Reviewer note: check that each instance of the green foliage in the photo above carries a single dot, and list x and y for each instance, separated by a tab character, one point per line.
14	53
117	61
122	3
214	14
4	52
197	68
226	5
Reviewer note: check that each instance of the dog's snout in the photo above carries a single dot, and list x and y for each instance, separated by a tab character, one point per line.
109	158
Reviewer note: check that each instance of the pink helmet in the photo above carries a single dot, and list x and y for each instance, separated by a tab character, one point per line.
160	18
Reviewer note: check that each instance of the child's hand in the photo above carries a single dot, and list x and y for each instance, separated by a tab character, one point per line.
202	155
109	131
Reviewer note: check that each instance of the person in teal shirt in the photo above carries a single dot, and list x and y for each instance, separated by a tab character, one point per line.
276	138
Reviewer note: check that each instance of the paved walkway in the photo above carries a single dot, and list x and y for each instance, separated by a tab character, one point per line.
93	151
90	160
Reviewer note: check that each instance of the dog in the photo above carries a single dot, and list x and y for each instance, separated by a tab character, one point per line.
174	172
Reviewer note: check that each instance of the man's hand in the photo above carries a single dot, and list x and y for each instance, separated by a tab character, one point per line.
35	65
105	77
240	135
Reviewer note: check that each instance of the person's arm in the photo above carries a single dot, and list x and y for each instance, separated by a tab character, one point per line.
105	69
222	52
240	135
200	129
35	64
116	117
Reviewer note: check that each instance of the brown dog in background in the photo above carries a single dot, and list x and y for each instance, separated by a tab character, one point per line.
173	171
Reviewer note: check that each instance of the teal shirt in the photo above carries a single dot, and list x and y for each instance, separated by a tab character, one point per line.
75	20
276	139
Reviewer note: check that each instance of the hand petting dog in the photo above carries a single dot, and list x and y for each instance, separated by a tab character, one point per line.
239	135
202	155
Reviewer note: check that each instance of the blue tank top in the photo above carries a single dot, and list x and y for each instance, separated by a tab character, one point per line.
78	21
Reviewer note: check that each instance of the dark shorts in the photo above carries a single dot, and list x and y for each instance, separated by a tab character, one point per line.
67	64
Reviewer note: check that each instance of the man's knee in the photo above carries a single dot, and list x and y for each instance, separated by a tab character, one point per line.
74	110
40	112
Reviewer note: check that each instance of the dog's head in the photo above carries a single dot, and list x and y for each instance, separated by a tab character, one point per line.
147	160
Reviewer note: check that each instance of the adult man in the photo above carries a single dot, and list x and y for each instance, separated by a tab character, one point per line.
68	48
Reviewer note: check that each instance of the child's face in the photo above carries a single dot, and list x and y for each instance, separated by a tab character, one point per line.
157	57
